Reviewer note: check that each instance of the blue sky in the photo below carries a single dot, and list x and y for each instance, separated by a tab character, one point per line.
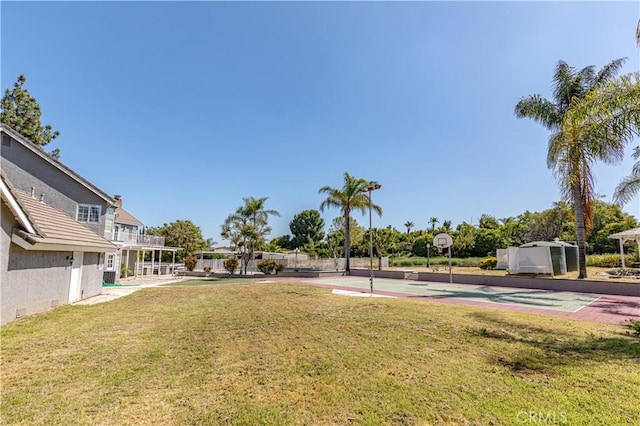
186	108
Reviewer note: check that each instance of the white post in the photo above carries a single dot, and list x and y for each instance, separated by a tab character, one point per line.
143	253
160	263
622	252
126	269
173	262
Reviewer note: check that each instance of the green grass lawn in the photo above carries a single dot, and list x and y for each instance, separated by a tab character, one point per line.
292	354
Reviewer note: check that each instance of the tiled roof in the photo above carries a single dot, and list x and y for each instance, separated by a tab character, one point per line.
56	227
123	216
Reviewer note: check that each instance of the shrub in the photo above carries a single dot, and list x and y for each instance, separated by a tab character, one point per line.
230	265
124	270
190	262
268	266
207	269
488	263
609	260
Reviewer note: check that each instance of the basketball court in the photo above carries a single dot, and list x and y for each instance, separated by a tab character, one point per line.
542	299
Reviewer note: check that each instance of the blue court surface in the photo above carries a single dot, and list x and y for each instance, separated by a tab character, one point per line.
540	299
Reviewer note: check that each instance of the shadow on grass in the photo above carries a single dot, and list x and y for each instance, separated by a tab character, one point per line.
543	349
543	299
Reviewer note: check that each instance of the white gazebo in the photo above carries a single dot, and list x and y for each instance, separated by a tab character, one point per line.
623	237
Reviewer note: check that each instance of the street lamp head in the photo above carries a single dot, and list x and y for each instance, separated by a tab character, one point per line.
372	187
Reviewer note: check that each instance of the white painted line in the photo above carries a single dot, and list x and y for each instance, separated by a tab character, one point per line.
358	294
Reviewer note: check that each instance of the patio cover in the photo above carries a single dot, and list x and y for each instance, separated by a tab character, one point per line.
624	236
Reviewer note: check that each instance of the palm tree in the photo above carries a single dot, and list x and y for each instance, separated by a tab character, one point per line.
446	225
612	111
248	226
433	221
409	225
352	196
571	152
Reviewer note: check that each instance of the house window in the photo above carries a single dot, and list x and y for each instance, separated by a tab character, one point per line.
111	260
88	214
108	223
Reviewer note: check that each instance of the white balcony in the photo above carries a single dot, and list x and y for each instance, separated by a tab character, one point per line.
139	240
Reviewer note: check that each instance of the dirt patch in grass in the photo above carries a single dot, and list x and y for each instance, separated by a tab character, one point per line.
292	354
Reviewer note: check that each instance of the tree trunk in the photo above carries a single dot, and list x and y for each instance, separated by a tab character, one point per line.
581	234
347	240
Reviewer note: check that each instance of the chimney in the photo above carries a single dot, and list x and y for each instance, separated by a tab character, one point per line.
42	198
118	199
33	192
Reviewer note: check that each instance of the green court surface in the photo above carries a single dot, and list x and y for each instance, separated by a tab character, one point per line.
540	299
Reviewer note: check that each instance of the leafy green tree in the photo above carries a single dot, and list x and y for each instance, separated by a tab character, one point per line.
486	241
335	237
513	230
550	224
608	219
352	196
464	240
283	241
419	247
572	149
181	233
21	112
307	226
248	227
488	222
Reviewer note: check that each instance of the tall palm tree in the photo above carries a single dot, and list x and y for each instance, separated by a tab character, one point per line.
352	196
433	221
409	225
612	112
571	152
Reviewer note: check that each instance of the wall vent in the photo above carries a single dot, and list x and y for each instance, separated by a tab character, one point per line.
20	312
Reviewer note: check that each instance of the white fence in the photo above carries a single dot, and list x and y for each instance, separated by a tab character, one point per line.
216	265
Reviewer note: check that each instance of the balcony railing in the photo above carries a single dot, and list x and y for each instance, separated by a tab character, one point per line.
140	240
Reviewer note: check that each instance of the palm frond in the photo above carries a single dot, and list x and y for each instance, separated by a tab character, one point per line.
539	109
609	71
627	189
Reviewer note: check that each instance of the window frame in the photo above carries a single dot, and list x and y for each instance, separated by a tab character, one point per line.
92	212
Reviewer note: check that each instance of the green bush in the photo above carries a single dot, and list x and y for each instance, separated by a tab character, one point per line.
230	265
609	260
190	262
207	269
124	270
268	266
488	263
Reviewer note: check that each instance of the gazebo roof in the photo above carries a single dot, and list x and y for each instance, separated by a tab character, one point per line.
630	234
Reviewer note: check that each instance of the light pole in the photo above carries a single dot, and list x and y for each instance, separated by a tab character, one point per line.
428	257
372	187
295	265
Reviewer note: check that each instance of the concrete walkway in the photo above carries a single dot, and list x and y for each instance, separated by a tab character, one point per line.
128	286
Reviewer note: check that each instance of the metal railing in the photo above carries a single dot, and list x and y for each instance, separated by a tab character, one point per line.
141	240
